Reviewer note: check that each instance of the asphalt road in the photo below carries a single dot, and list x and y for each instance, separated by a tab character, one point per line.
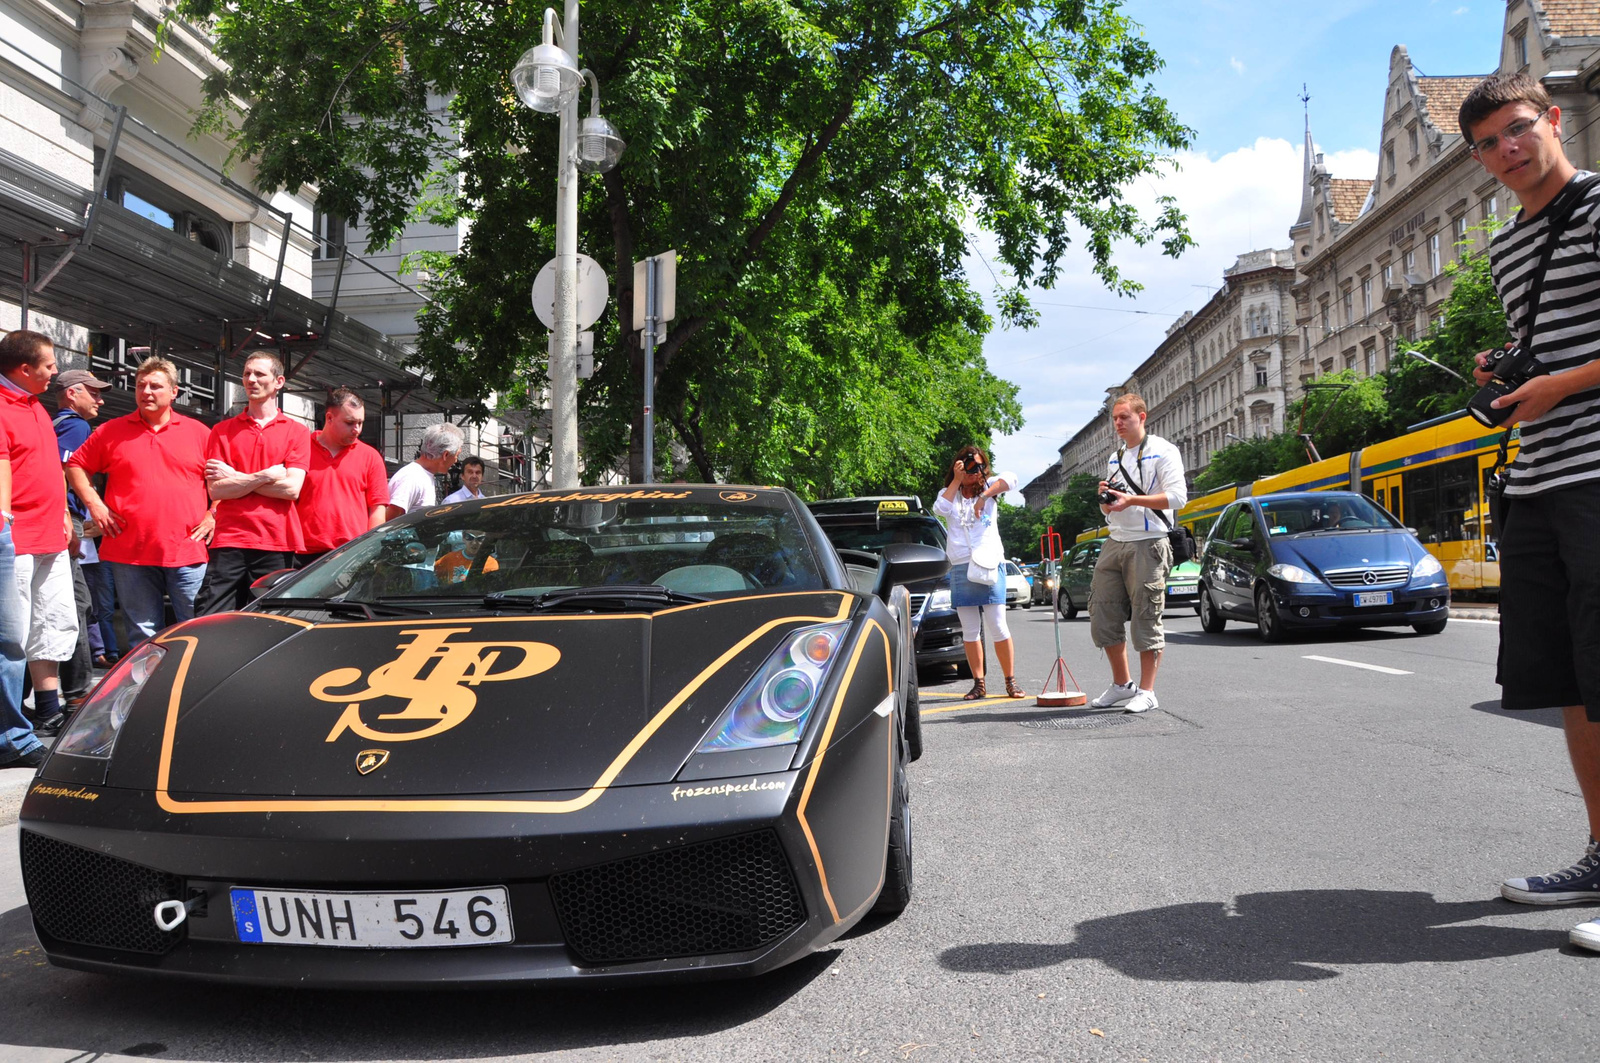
1293	858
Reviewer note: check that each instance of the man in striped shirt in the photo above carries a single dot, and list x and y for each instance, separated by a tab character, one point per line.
1549	569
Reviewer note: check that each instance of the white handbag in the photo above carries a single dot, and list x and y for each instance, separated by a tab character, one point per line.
984	565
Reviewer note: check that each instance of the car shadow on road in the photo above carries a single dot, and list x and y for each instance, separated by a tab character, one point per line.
75	1012
1547	717
1263	937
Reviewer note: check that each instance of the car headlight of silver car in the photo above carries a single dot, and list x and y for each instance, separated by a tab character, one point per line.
95	726
1428	566
773	708
1292	574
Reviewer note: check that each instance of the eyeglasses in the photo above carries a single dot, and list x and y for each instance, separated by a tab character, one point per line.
971	466
1514	131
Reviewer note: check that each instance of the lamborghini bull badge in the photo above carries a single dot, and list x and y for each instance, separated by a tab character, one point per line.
433	676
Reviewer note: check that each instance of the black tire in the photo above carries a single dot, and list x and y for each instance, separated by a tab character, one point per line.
1064	603
1268	621
1433	627
1211	621
896	893
914	723
1028	604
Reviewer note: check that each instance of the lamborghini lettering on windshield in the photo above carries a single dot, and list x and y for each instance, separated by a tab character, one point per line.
434	677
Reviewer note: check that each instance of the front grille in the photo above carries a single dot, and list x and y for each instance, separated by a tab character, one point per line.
728	895
917	602
89	898
1383	576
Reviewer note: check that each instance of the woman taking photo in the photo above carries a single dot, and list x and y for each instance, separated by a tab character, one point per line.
971	517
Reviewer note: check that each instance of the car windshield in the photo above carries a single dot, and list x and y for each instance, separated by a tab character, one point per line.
526	546
875	538
1336	513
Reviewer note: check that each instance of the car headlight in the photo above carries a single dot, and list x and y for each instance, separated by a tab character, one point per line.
774	706
95	726
1050	583
1428	566
939	599
1292	574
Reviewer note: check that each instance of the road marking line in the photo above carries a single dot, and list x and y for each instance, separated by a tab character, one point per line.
975	704
1358	664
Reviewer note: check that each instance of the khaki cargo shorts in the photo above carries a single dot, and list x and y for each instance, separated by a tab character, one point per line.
1130	585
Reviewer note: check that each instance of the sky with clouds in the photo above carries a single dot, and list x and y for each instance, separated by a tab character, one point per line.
1234	74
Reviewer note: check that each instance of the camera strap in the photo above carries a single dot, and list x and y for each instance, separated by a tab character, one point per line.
1558	226
1135	481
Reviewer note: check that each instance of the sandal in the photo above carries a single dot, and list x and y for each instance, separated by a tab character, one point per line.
978	690
1013	689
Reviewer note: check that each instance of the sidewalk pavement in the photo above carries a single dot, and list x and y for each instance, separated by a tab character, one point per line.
1475	611
13	784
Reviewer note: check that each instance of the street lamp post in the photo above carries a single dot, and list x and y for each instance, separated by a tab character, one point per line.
547	79
1419	356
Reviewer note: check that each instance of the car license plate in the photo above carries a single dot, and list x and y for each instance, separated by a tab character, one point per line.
1375	598
421	919
1180	588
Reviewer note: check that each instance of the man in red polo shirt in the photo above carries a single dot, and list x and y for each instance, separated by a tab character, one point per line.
347	488
255	466
39	522
155	513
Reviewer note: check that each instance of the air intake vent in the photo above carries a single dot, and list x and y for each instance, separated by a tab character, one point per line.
89	898
729	895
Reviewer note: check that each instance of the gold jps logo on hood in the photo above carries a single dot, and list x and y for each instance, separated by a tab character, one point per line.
434	677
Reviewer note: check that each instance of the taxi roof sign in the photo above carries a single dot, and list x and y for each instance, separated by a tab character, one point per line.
893	505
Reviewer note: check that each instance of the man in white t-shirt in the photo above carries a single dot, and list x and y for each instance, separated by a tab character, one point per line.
471	481
414	485
1145	476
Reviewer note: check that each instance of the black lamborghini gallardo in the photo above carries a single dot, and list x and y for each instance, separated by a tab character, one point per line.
603	734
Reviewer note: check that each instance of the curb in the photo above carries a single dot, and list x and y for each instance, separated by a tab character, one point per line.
14	783
1490	615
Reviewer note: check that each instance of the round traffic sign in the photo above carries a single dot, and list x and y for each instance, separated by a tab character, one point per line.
592	293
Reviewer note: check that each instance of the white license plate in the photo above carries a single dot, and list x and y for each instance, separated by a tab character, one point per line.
1375	598
1180	588
422	919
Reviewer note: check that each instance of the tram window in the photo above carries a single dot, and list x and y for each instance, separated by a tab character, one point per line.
1458	500
1378	494
1490	538
1421	487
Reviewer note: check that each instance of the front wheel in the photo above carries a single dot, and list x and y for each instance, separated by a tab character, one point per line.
914	723
1064	604
896	892
1267	618
1433	627
1211	621
1028	603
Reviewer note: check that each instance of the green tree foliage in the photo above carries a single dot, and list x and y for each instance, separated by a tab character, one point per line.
819	167
1250	460
1070	513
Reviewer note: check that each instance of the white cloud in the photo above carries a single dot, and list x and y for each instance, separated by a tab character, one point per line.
1460	11
1242	201
1238	67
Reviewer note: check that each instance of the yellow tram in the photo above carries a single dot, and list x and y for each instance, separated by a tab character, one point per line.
1432	479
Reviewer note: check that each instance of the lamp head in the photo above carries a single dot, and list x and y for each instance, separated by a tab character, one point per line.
600	147
546	78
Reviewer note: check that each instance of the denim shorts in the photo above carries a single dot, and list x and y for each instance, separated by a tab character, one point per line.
964	592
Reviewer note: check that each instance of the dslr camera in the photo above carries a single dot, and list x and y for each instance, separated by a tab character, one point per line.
1512	367
1108	499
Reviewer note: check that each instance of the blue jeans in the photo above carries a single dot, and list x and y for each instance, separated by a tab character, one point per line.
16	733
103	592
140	589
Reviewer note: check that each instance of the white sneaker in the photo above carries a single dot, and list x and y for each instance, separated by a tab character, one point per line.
1586	935
1143	701
1115	694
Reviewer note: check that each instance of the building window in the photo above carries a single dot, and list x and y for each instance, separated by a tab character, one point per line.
1388	160
1369	356
1321	231
1326	325
1459	225
159	205
1434	264
328	229
1491	208
1261	376
1412	134
1519	47
1366	297
1411	266
1349	307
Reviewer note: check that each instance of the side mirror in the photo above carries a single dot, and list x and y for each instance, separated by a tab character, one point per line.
1244	543
271	580
912	563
